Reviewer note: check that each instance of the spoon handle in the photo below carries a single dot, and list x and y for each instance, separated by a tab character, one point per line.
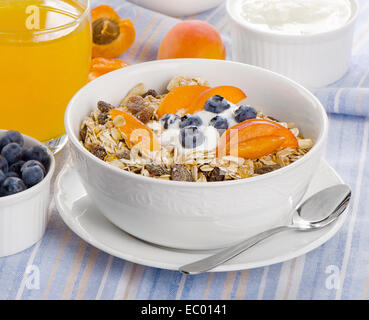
224	255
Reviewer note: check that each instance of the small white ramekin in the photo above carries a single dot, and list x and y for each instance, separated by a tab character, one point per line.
178	8
24	216
312	60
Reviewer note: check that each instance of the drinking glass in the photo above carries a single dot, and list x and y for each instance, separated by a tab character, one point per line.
45	53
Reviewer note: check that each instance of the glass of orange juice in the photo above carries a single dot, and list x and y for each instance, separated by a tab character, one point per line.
45	52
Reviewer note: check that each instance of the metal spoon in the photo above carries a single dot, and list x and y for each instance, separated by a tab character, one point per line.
318	211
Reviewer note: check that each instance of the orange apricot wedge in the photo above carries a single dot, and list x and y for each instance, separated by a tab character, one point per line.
111	35
105	65
230	93
100	66
255	138
179	98
135	131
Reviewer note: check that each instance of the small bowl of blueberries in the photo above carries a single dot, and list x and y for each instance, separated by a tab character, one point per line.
26	168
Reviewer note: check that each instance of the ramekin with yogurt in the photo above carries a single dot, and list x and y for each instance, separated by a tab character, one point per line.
309	41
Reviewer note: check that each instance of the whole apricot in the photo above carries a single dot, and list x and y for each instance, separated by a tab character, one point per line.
192	39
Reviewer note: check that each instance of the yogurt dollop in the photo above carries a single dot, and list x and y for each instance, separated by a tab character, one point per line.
171	136
300	17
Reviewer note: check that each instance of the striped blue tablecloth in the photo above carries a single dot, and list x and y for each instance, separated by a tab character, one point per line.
69	268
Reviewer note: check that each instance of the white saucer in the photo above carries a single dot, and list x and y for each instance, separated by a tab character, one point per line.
79	213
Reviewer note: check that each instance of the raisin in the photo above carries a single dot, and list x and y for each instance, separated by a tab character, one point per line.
98	151
125	154
135	104
180	173
83	133
145	114
267	169
216	175
102	117
150	92
104	107
156	170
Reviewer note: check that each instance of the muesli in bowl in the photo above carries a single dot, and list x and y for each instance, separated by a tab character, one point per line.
192	132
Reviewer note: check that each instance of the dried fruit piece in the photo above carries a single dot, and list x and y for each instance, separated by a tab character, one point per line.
135	104
102	117
140	108
156	170
255	138
136	132
230	93
180	173
145	114
125	154
112	36
267	169
180	98
216	175
150	92
104	106
98	151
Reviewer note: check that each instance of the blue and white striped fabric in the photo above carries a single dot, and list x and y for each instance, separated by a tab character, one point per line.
72	269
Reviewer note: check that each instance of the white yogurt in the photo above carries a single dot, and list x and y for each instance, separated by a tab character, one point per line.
300	17
171	136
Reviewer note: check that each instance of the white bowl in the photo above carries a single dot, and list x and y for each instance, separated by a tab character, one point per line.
194	215
178	8
312	60
24	215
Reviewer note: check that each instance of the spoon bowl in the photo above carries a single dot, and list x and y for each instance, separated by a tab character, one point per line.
322	209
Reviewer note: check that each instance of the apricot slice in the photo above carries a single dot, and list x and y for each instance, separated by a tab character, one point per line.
107	65
230	93
135	131
111	35
93	75
179	98
255	138
100	66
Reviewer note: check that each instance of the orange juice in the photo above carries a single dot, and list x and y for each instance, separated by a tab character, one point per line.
45	48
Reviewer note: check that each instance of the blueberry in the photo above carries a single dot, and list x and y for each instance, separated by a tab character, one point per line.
168	119
16	167
189	120
4	140
2	177
32	163
38	153
12	185
12	152
216	104
244	113
12	174
4	166
15	136
219	123
191	137
32	175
